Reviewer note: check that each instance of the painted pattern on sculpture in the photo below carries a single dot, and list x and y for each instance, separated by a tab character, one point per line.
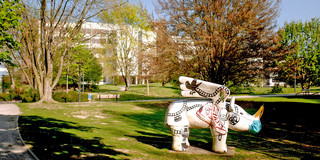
214	113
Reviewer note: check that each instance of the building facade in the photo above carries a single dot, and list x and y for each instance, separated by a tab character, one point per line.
110	39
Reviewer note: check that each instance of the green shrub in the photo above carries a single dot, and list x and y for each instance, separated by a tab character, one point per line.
30	93
27	99
4	97
20	93
59	96
276	89
69	97
241	90
13	95
5	84
92	88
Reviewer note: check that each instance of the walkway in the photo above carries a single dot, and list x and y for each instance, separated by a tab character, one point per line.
12	146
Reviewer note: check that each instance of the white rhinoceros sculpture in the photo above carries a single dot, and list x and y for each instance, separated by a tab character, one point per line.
216	114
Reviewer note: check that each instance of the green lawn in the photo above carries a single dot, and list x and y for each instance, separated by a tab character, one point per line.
260	90
288	90
112	130
135	130
139	92
108	88
296	99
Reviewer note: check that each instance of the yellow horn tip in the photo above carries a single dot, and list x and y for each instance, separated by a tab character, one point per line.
259	112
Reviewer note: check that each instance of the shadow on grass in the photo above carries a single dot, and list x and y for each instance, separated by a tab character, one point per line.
289	130
163	139
50	142
314	90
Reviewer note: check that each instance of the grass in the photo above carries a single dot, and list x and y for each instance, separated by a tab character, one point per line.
108	88
139	92
97	131
261	90
135	130
288	90
295	99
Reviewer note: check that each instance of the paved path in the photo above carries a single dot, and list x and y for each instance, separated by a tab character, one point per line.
11	145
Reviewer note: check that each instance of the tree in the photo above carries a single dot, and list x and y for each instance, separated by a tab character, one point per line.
49	25
147	63
10	23
90	67
219	40
303	62
9	20
167	63
130	21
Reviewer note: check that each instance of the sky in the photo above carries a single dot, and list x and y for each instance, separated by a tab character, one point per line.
298	10
291	10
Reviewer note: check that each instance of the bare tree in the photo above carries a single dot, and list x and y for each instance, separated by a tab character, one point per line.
130	21
167	64
147	59
48	34
226	36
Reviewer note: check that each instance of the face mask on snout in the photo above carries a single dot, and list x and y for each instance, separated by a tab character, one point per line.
255	127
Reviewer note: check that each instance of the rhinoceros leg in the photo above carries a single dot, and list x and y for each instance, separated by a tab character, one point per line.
180	137
219	141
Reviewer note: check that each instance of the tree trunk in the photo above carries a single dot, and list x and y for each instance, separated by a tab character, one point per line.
11	74
47	91
128	83
67	81
147	87
67	85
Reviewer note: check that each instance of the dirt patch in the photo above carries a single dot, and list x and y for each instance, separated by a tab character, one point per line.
80	114
100	117
123	150
78	105
123	139
137	108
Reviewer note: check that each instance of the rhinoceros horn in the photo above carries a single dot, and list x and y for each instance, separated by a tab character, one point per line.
259	113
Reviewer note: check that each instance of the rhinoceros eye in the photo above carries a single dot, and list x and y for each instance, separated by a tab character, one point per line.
241	113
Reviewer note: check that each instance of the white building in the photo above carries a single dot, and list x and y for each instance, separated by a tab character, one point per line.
99	34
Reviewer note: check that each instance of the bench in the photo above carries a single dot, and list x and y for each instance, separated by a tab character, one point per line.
109	96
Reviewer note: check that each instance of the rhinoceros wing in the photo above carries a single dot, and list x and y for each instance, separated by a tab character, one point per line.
191	87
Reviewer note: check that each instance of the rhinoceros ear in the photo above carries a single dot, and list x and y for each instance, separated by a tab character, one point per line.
232	101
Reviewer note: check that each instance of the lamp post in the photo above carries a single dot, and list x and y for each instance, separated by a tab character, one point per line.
79	63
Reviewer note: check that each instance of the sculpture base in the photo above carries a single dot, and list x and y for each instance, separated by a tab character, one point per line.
197	150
